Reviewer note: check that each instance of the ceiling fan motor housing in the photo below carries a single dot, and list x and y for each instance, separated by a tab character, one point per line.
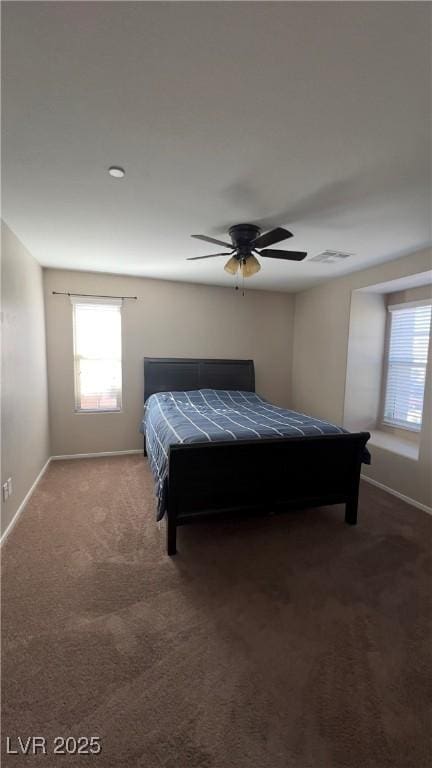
242	236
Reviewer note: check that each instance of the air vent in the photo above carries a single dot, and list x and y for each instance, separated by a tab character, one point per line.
331	257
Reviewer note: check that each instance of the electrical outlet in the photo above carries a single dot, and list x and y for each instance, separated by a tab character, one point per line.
10	486
5	489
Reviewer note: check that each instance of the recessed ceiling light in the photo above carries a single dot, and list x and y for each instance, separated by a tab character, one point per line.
116	171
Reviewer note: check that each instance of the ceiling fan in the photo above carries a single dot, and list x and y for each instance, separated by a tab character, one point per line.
246	239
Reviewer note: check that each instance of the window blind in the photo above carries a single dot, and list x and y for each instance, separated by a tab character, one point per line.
406	365
97	354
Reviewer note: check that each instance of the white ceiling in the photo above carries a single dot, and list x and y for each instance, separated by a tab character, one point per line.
315	116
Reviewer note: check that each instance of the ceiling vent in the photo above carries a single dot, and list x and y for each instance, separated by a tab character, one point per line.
331	257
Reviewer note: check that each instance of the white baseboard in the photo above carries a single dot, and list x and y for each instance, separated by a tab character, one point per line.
401	496
95	455
14	520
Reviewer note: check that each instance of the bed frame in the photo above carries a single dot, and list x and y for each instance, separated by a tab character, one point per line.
246	476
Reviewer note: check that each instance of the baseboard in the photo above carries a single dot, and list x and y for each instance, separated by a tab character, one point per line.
401	496
95	455
14	520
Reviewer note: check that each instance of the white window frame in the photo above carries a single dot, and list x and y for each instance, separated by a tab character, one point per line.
76	301
386	421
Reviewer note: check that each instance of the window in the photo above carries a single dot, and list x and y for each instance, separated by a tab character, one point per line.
97	354
406	365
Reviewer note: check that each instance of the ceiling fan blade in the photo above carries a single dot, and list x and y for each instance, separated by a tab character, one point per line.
270	238
287	255
210	256
212	240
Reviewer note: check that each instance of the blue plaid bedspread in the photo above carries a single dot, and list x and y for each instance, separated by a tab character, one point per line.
207	415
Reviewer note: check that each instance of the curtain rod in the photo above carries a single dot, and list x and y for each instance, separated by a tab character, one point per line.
93	295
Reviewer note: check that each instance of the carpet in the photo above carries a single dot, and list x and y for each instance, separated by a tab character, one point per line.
283	642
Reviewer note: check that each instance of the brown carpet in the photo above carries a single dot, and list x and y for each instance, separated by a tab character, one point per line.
287	642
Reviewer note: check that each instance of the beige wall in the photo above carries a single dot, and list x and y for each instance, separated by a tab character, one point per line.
411	294
24	405
365	360
169	319
320	349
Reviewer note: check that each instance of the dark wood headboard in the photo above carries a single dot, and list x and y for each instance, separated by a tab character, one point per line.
162	374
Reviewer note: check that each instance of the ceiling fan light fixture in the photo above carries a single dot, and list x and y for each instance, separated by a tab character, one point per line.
232	266
250	266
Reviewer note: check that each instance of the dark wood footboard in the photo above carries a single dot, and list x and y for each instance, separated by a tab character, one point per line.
268	475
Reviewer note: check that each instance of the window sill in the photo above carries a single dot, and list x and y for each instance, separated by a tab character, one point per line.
97	410
394	444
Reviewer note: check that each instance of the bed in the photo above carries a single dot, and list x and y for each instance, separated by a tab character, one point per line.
217	447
